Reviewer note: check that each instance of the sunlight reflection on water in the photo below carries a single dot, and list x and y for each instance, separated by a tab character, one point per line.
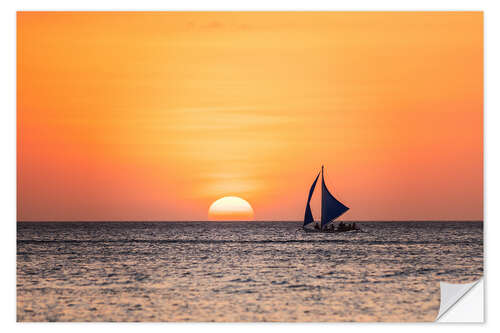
236	271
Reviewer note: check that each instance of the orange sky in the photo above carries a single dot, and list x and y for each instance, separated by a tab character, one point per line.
153	116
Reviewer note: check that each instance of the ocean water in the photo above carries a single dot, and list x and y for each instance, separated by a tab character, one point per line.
240	271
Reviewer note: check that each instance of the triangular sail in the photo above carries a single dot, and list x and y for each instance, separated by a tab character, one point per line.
308	217
331	208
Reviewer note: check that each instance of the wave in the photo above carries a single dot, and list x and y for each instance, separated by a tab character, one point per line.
264	241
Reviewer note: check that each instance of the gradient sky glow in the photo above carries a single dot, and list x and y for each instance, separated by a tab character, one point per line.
154	116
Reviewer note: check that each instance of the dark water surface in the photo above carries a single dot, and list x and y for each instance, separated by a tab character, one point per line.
240	271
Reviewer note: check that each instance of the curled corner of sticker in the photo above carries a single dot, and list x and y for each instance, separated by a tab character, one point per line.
452	294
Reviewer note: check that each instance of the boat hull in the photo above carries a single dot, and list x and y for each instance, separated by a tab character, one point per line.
329	231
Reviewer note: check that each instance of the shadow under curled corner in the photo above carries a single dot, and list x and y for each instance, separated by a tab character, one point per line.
461	302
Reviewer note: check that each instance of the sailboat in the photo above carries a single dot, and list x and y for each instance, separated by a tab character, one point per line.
331	209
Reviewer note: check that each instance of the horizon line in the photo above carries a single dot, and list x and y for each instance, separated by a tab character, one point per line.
160	221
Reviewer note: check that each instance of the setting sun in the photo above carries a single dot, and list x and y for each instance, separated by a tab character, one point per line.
230	209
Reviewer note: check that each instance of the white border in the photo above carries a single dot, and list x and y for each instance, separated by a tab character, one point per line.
8	140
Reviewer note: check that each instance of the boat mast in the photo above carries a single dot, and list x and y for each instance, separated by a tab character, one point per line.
322	184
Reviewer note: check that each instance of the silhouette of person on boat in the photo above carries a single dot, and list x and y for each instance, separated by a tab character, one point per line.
340	228
347	227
